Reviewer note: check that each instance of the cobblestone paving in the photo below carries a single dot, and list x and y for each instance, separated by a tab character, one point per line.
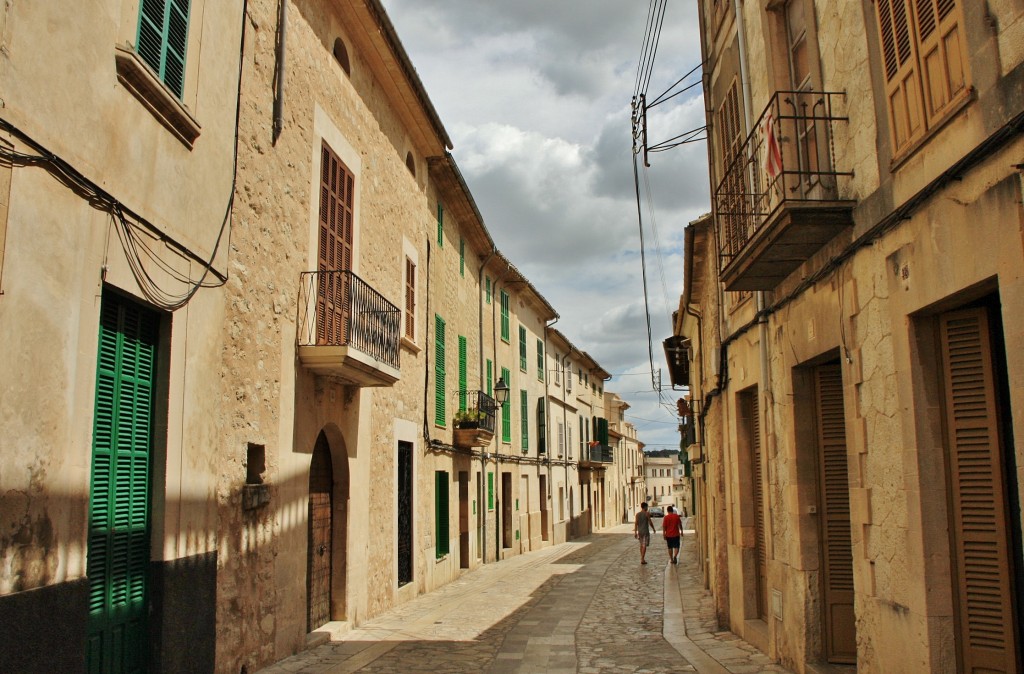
585	607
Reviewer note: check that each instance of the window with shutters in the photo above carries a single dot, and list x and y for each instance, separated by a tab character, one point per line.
568	439
487	289
540	360
410	300
440	513
734	190
506	410
162	40
522	349
439	371
505	327
462	373
150	58
490	378
924	64
334	248
462	257
524	422
490	491
440	225
5	205
561	438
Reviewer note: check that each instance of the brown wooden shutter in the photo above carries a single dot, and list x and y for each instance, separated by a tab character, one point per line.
941	53
760	537
335	248
410	299
981	541
837	549
903	87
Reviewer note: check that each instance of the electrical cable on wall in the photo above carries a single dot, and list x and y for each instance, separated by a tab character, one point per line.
132	228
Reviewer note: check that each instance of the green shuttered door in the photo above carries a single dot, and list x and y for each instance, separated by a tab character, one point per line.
118	555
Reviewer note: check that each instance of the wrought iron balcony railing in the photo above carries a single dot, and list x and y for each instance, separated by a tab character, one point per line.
337	308
787	161
596	453
478	411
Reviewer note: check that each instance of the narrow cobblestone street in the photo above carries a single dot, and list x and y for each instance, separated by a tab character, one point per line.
586	606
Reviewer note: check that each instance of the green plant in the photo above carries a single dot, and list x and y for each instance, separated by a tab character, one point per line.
468	418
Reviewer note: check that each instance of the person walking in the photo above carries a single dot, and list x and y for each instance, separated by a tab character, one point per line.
643	527
672	530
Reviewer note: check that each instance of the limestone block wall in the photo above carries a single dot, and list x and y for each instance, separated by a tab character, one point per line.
266	397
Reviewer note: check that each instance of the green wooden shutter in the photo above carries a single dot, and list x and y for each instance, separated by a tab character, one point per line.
490	378
542	427
462	257
487	289
440	225
462	373
490	491
506	417
439	374
504	316
118	539
522	348
163	37
524	421
440	513
540	359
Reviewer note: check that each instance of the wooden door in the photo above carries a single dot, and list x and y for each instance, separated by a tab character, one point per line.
321	487
752	412
989	637
506	510
119	532
404	516
834	485
463	519
334	249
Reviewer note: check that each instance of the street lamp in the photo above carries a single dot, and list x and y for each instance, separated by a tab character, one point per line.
501	392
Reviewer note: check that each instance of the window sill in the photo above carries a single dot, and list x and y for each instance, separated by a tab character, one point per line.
137	77
410	345
965	99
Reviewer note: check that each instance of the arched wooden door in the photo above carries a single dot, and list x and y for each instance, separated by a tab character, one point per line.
318	577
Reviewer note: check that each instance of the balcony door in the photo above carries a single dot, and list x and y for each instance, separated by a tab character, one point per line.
334	254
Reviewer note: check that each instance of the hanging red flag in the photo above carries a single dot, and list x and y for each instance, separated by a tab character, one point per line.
773	156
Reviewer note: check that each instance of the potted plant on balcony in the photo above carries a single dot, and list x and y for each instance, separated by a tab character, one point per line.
468	419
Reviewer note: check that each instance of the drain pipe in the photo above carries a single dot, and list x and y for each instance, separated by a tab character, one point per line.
762	318
483	454
282	24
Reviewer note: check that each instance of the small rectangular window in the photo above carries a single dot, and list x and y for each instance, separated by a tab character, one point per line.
490	378
462	373
487	289
462	257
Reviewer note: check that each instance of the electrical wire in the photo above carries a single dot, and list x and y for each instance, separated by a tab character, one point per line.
131	226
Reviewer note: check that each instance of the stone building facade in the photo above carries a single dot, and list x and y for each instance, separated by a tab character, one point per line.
117	136
851	312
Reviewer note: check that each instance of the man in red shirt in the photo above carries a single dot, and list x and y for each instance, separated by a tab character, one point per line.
672	529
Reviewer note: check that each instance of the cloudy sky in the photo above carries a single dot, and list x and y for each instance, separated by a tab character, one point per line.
536	98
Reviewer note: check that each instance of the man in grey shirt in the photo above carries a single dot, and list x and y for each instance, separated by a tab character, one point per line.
643	527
